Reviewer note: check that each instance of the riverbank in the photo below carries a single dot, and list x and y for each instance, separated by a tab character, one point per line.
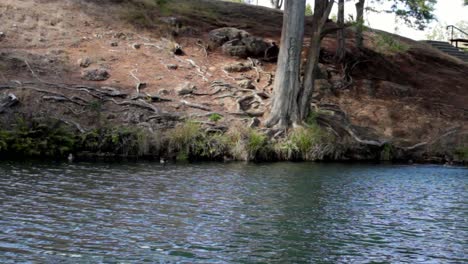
190	141
137	79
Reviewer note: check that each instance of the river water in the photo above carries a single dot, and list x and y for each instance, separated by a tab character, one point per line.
232	213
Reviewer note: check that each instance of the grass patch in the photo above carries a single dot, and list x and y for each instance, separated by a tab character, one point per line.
462	154
388	44
215	117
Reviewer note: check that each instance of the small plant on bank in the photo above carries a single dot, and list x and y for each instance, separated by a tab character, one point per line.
387	43
215	117
462	154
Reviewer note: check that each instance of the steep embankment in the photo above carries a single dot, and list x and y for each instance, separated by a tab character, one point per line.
395	99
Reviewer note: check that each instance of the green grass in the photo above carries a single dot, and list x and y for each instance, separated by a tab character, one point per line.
388	44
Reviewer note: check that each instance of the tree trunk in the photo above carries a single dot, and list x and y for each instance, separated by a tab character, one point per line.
321	12
359	23
286	88
277	3
340	38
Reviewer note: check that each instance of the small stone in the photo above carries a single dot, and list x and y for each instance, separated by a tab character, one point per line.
114	44
172	66
84	62
163	92
255	122
2	36
237	67
246	84
212	69
136	45
186	88
95	75
120	35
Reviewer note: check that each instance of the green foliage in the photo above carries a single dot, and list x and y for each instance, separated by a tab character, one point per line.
215	117
387	43
37	139
387	152
123	141
190	141
462	154
308	10
415	13
440	32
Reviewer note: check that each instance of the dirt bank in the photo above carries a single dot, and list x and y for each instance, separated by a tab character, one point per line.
403	101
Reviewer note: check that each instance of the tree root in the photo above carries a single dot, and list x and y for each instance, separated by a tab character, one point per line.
197	106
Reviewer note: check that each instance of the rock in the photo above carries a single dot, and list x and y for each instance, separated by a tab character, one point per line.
246	84
271	53
2	36
163	92
172	66
120	35
177	50
8	101
114	44
186	88
237	67
84	62
136	45
255	122
212	69
95	75
235	48
222	35
255	46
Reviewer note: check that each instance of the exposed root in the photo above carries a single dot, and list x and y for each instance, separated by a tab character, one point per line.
197	106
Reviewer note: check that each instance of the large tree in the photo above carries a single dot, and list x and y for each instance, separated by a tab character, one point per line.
292	97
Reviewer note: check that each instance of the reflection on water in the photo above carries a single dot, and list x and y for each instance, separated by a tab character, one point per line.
218	213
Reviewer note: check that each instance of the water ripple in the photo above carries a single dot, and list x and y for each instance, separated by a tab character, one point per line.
218	213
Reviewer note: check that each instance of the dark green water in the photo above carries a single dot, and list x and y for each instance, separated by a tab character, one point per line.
232	213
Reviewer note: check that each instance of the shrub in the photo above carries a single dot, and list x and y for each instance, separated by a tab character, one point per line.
215	117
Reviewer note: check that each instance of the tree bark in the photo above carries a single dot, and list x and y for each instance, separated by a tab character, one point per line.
359	23
277	4
321	12
340	38
286	87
